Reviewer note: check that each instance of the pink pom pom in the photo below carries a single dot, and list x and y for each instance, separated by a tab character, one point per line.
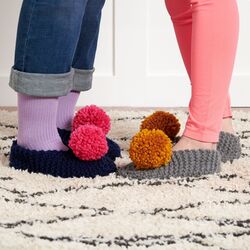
88	143
92	115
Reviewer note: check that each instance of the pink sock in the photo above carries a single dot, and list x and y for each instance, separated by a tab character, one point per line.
37	123
66	110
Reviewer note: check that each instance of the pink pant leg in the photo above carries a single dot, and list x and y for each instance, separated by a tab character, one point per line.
208	48
181	15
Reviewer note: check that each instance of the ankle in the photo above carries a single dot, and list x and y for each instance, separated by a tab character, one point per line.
187	143
37	123
227	125
202	144
66	110
42	143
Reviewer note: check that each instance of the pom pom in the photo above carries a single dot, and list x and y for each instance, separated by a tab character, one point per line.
150	149
92	115
164	121
88	143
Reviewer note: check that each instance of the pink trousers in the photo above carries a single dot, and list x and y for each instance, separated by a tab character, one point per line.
207	34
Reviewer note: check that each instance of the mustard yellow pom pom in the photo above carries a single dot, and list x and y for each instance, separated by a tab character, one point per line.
164	121
150	149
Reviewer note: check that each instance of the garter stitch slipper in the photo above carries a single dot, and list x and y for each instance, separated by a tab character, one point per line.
229	147
114	150
58	163
184	163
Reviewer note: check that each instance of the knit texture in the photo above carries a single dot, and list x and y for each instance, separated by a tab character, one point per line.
37	123
108	213
66	110
88	143
114	150
186	163
92	115
58	163
229	147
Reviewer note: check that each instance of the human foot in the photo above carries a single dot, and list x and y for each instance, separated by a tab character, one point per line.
227	126
186	143
66	110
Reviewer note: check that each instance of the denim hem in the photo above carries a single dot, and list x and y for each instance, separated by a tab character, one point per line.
82	79
42	85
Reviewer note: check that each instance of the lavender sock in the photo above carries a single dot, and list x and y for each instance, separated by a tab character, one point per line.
66	110
37	123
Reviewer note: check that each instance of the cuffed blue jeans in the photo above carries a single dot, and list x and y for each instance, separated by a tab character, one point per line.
56	46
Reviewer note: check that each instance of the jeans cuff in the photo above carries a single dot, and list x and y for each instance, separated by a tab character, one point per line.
41	85
82	79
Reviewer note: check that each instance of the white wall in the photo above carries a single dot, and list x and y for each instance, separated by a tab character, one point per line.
138	63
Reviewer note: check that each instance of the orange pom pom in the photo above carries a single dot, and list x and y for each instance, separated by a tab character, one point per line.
150	149
164	121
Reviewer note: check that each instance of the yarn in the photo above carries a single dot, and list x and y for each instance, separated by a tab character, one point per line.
184	163
164	121
150	149
114	149
58	163
88	143
92	115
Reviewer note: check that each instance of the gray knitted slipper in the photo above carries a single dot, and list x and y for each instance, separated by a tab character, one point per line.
229	147
184	163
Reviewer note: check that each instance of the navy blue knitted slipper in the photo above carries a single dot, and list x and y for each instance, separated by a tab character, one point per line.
58	163
113	152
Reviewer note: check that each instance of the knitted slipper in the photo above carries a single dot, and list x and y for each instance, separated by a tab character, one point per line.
229	147
58	163
184	163
113	152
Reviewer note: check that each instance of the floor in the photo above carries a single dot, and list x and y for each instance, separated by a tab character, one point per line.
114	213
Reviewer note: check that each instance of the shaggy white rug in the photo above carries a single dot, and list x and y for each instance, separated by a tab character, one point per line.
42	212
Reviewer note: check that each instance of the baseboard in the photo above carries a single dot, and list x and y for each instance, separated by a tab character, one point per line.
113	92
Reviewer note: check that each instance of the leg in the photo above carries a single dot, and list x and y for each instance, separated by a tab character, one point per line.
83	65
181	15
46	41
213	54
227	124
209	58
83	62
42	69
40	52
84	57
